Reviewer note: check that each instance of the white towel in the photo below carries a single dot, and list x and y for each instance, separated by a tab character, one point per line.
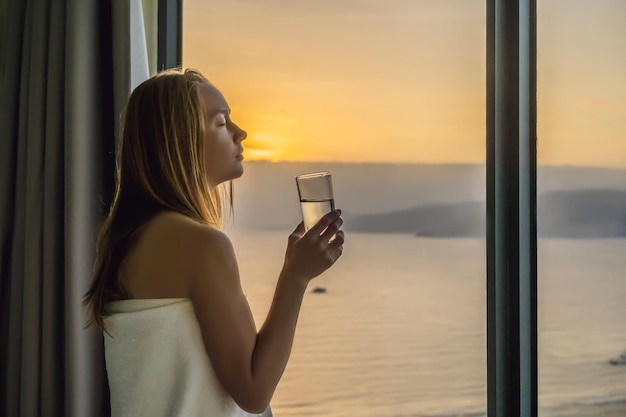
157	364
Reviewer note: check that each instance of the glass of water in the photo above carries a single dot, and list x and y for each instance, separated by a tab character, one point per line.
316	196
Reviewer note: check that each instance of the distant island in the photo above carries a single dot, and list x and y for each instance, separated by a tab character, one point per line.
432	200
561	214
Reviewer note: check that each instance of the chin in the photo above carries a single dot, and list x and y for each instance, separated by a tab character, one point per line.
240	169
238	172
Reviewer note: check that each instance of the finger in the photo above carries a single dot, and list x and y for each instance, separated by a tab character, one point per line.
337	252
338	240
325	221
332	229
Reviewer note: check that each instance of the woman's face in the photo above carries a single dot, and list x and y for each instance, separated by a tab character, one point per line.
223	152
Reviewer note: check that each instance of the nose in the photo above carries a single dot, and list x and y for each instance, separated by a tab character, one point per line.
240	134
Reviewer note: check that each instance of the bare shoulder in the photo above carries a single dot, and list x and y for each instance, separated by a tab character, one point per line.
170	252
195	243
204	250
187	231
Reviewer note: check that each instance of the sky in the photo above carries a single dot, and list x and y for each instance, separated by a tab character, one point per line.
403	81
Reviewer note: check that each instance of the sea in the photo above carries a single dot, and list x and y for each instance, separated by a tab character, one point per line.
398	327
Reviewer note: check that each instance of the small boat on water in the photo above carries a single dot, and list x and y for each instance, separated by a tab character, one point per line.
621	360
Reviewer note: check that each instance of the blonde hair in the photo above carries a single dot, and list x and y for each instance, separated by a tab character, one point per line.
159	168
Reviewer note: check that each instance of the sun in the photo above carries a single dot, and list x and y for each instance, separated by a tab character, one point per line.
261	155
264	147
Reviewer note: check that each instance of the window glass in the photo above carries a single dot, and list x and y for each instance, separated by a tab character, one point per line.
582	208
390	97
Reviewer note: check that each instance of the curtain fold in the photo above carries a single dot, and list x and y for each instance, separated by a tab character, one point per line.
140	67
60	100
51	243
151	23
88	137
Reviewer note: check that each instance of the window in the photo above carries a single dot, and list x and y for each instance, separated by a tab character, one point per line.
391	98
581	95
582	207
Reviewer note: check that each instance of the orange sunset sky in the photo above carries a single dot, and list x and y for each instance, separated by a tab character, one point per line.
404	80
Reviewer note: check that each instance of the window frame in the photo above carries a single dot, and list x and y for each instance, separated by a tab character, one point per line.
511	208
170	34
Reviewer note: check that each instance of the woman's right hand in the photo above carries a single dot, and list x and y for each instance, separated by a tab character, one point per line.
311	253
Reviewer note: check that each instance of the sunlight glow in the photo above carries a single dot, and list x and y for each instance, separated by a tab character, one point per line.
261	155
264	146
411	89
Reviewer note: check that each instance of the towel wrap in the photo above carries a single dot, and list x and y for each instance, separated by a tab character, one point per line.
157	365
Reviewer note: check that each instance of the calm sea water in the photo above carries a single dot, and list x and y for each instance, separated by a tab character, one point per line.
401	328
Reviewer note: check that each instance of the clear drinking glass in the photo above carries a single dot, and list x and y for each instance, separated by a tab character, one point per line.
316	196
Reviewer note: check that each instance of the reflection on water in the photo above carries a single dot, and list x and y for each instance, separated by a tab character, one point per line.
401	328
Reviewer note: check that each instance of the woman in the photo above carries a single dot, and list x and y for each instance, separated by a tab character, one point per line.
180	339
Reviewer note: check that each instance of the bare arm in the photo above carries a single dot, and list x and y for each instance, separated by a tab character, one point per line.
250	364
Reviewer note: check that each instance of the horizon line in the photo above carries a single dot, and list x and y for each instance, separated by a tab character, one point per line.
618	168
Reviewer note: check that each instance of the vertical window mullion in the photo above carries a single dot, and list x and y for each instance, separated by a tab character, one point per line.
169	49
511	209
528	207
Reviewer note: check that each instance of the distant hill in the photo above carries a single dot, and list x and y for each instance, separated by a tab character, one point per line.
431	200
266	196
582	214
563	214
430	220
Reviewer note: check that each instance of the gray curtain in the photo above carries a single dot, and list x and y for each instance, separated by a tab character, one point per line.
58	117
66	68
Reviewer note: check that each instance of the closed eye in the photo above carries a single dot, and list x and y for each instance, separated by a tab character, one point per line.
222	119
